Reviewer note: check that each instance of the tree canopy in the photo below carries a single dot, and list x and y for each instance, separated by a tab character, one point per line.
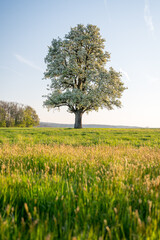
76	66
17	115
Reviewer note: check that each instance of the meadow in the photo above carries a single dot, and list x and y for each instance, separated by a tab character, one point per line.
79	184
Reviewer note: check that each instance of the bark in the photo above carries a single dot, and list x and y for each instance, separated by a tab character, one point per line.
78	119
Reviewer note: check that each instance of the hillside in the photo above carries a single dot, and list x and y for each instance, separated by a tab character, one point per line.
60	125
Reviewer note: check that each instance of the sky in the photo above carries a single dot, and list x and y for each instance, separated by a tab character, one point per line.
132	33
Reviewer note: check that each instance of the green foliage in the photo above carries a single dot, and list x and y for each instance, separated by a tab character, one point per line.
2	117
79	79
50	189
16	115
3	123
30	117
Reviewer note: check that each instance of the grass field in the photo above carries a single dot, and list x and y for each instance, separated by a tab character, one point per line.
79	184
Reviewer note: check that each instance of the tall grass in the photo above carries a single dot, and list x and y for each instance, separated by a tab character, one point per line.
69	191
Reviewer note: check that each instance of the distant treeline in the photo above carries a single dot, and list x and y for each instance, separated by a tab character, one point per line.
17	115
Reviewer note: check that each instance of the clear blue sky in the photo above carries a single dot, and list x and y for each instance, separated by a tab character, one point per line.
132	33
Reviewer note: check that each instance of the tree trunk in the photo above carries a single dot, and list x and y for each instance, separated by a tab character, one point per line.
78	119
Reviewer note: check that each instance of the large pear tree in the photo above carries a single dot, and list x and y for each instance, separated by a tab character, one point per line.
76	67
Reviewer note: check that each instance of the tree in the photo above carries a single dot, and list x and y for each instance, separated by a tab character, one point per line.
17	115
2	117
30	117
79	79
